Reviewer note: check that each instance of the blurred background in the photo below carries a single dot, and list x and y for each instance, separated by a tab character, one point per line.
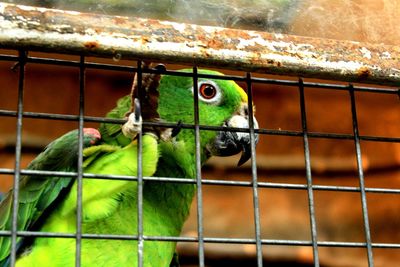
228	211
359	20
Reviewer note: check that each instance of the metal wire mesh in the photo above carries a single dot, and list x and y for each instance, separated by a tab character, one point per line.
254	184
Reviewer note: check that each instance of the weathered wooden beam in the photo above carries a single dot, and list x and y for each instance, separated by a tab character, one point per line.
50	30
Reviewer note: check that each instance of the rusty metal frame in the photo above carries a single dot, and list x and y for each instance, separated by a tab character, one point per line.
50	30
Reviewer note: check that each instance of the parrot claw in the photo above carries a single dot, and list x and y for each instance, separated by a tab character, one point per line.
177	129
160	67
134	124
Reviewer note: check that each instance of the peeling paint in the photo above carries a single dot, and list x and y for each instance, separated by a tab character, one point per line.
88	31
365	52
396	70
2	7
179	26
29	8
256	40
385	55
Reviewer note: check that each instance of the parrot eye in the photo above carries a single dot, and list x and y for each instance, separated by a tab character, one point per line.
209	92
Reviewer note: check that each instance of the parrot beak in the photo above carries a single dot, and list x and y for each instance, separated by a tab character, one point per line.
228	143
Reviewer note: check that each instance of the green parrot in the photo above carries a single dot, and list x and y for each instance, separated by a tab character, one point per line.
109	206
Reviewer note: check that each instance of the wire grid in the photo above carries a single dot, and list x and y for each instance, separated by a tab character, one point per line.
24	59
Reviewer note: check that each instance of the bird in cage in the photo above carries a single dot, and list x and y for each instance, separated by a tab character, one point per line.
110	206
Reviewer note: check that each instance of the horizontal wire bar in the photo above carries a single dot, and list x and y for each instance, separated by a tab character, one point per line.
5	57
93	65
52	116
272	185
279	242
40	115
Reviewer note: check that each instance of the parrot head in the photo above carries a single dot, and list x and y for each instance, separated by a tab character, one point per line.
221	103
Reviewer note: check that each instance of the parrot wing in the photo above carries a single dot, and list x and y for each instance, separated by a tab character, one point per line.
38	192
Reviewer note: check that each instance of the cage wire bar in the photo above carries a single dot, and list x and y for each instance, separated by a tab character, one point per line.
364	205
257	223
199	191
18	149
79	207
379	69
140	243
307	159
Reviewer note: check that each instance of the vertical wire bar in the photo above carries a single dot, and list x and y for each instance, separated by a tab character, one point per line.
78	239
140	247
310	193
254	172
198	169
18	147
361	177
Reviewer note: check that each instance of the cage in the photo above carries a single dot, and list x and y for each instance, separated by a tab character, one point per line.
322	185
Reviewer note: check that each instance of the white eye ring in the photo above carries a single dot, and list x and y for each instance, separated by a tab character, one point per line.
209	92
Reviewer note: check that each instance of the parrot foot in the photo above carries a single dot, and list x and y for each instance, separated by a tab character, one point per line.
177	129
165	135
134	124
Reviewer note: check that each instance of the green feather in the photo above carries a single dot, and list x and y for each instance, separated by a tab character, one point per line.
111	133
